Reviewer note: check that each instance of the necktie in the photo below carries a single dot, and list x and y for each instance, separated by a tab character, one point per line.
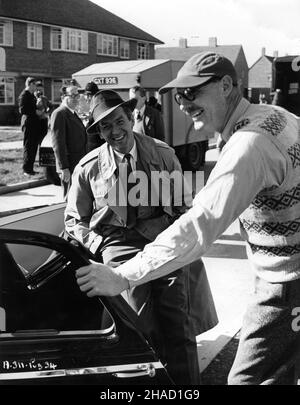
138	116
131	211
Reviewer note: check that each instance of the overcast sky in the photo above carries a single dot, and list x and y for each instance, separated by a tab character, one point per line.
273	24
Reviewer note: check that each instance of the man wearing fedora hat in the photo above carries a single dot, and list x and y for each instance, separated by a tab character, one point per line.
115	232
256	179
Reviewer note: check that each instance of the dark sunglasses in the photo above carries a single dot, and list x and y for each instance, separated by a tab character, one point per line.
190	93
74	95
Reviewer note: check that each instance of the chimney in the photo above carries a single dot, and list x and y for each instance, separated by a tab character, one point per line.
212	42
263	51
183	43
275	54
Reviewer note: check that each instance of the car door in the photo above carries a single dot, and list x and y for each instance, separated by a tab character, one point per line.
51	333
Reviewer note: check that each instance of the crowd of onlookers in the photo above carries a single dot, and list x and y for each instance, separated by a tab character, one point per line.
39	115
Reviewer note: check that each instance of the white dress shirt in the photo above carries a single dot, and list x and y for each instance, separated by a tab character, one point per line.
119	157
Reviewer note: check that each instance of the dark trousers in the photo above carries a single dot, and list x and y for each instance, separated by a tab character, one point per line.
270	335
162	306
30	146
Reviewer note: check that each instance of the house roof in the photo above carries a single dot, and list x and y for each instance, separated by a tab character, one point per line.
80	14
128	66
179	53
287	58
269	58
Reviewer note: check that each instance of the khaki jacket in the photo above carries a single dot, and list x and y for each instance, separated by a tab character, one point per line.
88	215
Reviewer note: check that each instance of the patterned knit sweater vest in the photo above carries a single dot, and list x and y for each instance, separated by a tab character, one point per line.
271	224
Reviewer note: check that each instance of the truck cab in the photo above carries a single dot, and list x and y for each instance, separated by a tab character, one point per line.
286	78
190	145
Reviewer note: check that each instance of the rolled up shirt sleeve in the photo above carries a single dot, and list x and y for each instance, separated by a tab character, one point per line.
236	179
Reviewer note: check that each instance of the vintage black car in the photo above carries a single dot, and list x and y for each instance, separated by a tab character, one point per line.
50	332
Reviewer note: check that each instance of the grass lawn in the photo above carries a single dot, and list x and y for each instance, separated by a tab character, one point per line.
11	135
11	168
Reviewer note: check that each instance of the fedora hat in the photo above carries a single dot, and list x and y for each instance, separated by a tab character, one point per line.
91	88
104	103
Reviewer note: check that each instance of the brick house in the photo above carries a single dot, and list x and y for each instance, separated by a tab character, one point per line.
234	53
260	77
50	40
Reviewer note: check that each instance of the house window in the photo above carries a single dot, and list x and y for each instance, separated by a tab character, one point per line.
65	39
6	32
124	48
143	50
107	45
34	36
55	89
7	91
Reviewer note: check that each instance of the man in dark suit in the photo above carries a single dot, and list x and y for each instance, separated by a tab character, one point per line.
44	107
147	120
30	125
68	136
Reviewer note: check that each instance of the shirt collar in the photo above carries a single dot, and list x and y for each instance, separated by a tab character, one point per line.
119	157
141	111
70	109
241	108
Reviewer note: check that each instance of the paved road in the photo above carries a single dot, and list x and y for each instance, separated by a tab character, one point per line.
227	268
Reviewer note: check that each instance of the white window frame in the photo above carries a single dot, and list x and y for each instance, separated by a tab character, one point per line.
7	33
107	45
124	48
34	36
142	53
5	83
69	40
54	88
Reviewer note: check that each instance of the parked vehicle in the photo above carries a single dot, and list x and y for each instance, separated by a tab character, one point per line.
286	79
51	332
150	74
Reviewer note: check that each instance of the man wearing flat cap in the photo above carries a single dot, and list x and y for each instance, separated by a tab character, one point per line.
256	179
102	215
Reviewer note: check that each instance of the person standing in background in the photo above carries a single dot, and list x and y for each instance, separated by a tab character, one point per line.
278	98
147	120
30	125
43	107
153	102
68	136
94	139
262	99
